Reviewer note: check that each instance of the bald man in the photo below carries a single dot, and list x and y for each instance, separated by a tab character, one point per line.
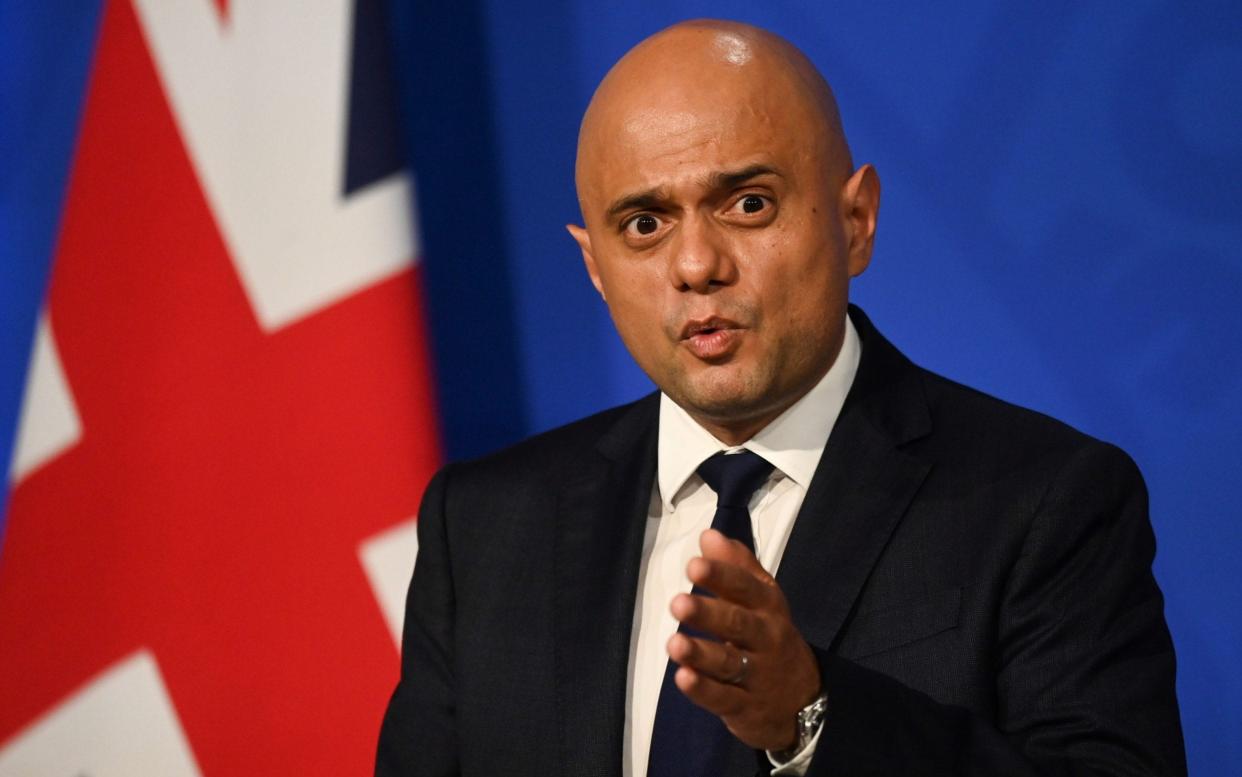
804	554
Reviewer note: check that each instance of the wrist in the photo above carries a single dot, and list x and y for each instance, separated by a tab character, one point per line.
807	723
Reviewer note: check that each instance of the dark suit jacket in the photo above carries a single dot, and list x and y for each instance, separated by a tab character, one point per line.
974	578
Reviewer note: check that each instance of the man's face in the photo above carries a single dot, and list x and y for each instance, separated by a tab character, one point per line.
717	235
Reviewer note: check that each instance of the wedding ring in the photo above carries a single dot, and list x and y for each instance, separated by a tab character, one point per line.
742	671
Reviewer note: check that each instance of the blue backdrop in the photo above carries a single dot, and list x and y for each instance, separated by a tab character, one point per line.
1060	227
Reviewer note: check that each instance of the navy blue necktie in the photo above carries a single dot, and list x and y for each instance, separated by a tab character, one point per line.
687	740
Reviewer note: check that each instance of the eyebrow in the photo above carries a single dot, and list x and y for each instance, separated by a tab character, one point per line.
654	198
646	200
731	180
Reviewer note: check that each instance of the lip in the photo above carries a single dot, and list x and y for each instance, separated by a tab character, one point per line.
711	339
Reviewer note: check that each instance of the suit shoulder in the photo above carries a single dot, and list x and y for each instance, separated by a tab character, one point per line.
952	422
558	451
976	423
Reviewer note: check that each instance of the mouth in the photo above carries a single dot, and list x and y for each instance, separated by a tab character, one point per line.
712	339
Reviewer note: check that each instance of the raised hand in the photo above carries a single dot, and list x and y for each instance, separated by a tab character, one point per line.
761	672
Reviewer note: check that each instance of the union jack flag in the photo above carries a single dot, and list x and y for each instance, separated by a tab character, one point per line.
228	419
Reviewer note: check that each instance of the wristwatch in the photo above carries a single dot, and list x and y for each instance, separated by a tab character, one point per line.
810	718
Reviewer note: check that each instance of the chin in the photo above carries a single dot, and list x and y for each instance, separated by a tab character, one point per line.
724	398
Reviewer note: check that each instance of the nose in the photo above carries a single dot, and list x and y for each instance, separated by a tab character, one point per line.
700	258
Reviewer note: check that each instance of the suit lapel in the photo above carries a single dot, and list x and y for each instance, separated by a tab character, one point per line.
601	516
861	489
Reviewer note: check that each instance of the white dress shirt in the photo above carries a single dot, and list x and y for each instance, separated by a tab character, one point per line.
682	506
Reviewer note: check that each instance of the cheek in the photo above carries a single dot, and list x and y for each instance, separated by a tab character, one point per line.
636	301
776	277
629	276
803	290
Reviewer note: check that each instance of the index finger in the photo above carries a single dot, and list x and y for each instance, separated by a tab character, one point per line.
731	582
716	546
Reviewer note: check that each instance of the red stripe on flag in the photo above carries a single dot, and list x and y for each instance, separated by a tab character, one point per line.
225	478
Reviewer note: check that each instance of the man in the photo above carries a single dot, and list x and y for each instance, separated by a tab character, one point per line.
917	578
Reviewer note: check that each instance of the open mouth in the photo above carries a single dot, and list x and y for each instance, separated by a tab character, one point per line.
712	339
707	326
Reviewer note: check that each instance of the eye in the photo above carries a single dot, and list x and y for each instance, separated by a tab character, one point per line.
642	224
753	208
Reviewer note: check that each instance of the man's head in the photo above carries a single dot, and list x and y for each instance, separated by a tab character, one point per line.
723	219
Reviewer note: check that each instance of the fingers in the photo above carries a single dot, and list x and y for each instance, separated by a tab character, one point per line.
756	699
732	583
718	547
728	569
723	663
760	707
722	619
719	698
747	596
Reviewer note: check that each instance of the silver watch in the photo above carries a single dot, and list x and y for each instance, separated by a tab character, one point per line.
809	720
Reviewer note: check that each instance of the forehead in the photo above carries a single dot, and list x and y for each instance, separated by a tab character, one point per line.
669	132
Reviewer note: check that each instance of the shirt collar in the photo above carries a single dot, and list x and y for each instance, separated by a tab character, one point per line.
793	442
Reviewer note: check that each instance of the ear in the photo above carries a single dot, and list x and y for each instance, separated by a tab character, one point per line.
583	239
860	209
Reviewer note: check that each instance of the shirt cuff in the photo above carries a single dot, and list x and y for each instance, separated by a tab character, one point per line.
797	766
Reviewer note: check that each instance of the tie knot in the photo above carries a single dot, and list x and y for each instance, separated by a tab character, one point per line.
734	476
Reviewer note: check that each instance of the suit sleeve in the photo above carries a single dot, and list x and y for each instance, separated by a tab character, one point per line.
418	736
1084	665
